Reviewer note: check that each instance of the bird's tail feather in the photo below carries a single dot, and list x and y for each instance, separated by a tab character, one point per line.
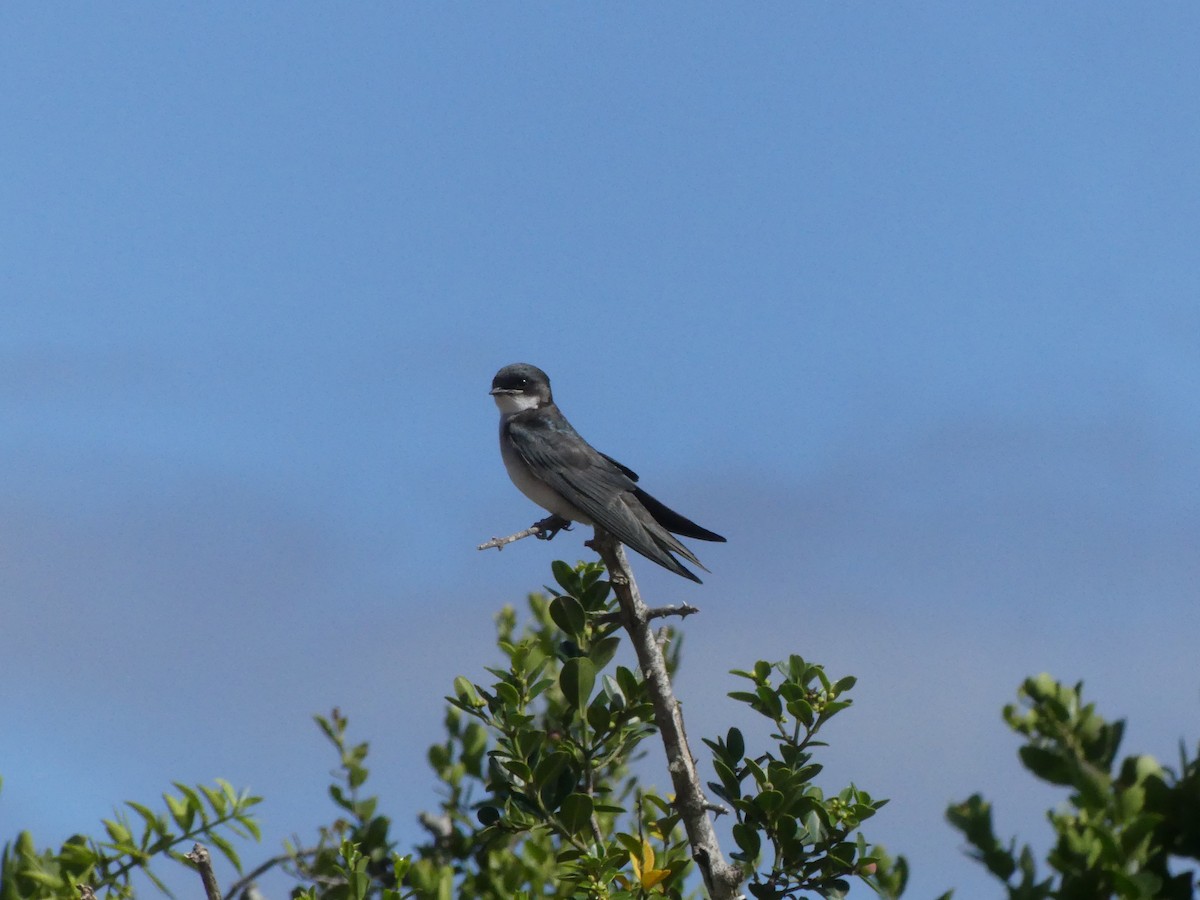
673	521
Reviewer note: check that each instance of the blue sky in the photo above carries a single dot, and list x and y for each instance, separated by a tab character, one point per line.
903	299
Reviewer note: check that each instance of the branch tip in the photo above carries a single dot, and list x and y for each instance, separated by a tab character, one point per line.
543	528
203	862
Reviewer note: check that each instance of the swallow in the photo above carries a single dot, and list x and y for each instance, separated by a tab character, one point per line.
562	473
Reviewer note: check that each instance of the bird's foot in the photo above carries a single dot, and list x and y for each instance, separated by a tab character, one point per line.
550	526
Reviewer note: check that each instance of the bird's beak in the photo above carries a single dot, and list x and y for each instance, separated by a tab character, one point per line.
495	391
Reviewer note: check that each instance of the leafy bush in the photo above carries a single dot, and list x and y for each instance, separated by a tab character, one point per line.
539	796
1123	825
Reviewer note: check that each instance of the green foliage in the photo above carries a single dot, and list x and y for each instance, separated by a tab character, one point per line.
795	837
133	840
354	857
350	876
1121	826
539	795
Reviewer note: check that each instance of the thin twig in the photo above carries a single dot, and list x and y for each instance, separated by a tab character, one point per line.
720	878
203	860
549	526
250	877
717	809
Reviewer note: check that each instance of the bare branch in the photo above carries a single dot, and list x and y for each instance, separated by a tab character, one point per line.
548	527
683	610
717	809
249	878
203	861
720	878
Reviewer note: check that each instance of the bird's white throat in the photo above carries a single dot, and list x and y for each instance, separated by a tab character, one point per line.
515	403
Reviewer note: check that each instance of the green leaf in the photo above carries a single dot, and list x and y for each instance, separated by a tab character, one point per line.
465	692
631	843
594	596
439	758
226	848
630	684
603	651
508	695
517	769
531	741
550	765
576	680
155	880
154	822
1130	801
802	710
540	687
1048	765
229	790
474	740
555	779
216	800
328	728
814	826
760	777
338	795
568	614
180	811
769	703
612	691
844	684
729	780
769	802
576	813
833	708
193	800
566	577
117	832
598	715
251	826
748	841
735	745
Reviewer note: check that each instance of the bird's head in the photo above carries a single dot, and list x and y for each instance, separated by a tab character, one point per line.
519	387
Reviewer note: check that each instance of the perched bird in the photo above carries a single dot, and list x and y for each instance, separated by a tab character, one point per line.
561	472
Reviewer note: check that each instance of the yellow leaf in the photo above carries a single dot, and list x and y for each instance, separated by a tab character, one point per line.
654	877
635	859
643	867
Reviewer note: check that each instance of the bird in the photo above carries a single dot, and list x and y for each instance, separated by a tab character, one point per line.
552	465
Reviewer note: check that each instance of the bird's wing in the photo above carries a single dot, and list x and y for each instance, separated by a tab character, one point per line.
663	514
630	474
599	487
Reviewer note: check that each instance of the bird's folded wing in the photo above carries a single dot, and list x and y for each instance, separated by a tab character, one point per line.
595	485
